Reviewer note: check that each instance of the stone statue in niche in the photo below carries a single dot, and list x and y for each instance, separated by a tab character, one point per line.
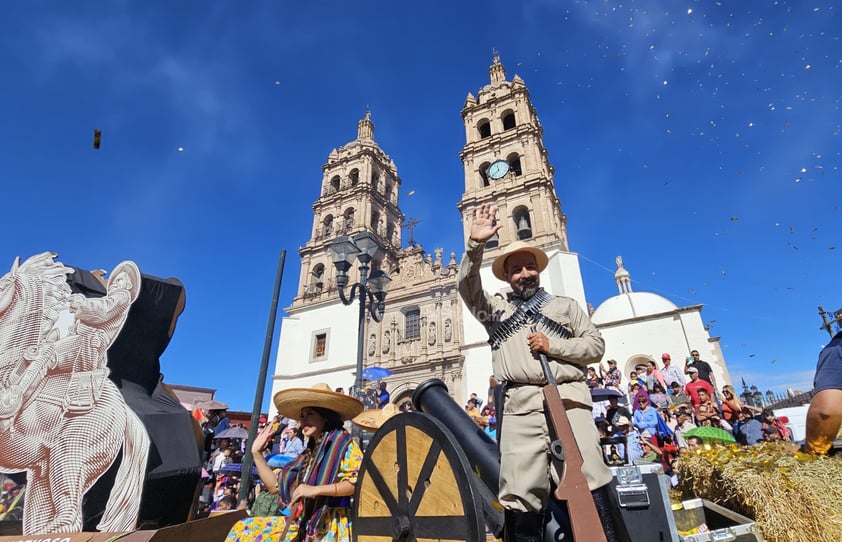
431	334
387	342
448	333
372	344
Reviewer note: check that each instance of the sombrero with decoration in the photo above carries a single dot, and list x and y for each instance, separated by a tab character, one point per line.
498	267
372	418
290	402
133	273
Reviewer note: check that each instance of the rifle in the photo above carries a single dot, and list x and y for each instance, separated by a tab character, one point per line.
572	484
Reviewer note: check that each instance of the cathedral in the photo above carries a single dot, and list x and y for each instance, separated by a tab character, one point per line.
426	331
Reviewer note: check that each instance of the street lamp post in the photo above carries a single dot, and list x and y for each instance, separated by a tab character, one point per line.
371	289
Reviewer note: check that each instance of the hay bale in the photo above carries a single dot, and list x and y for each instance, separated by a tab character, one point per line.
793	497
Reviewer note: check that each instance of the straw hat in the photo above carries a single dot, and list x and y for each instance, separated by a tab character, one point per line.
290	402
498	267
372	418
133	273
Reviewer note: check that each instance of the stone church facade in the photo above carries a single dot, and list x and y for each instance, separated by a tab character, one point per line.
426	331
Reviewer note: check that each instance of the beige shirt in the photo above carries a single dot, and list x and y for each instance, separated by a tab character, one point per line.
513	361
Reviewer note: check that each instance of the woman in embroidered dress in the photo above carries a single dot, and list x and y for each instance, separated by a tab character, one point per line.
317	486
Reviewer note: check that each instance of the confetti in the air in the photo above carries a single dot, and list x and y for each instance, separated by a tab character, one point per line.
97	139
181	149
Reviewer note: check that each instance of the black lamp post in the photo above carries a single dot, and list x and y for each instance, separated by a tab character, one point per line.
371	289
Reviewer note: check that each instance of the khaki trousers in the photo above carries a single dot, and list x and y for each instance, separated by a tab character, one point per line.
525	462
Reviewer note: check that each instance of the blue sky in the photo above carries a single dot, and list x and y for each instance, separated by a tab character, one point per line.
699	140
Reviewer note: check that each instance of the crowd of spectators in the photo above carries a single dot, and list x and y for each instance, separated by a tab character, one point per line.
656	406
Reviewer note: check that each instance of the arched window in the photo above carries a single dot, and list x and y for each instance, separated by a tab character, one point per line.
375	179
390	232
412	323
483	173
508	120
317	279
523	224
334	184
355	176
388	191
349	218
375	221
484	128
327	226
514	164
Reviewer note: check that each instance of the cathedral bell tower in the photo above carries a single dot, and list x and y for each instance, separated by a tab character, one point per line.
506	164
359	192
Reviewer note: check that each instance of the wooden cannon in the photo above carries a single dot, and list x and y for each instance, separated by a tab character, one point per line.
420	481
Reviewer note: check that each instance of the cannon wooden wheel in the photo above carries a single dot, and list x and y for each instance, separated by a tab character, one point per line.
415	484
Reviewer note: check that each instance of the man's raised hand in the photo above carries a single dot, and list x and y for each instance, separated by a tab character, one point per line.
484	223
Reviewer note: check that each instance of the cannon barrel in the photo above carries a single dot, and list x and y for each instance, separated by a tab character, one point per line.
432	398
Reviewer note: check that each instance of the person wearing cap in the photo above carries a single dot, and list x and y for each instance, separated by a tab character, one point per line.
703	368
612	377
634	440
678	396
316	486
561	329
692	388
824	417
670	372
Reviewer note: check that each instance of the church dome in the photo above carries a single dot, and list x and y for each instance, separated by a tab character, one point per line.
631	305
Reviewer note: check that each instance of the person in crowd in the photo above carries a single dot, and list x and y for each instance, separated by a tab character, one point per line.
227	502
612	376
669	419
383	396
731	404
315	487
635	391
705	409
634	441
748	429
646	418
222	458
292	443
563	332
703	367
692	388
678	396
653	377
634	379
684	422
659	397
651	452
719	423
781	431
614	411
592	380
491	428
671	373
694	443
824	417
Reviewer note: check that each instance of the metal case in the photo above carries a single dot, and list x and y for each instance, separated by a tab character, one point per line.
724	525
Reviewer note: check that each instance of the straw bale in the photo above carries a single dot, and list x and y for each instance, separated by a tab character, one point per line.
793	497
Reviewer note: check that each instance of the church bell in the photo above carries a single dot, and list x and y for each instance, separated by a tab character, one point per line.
524	230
